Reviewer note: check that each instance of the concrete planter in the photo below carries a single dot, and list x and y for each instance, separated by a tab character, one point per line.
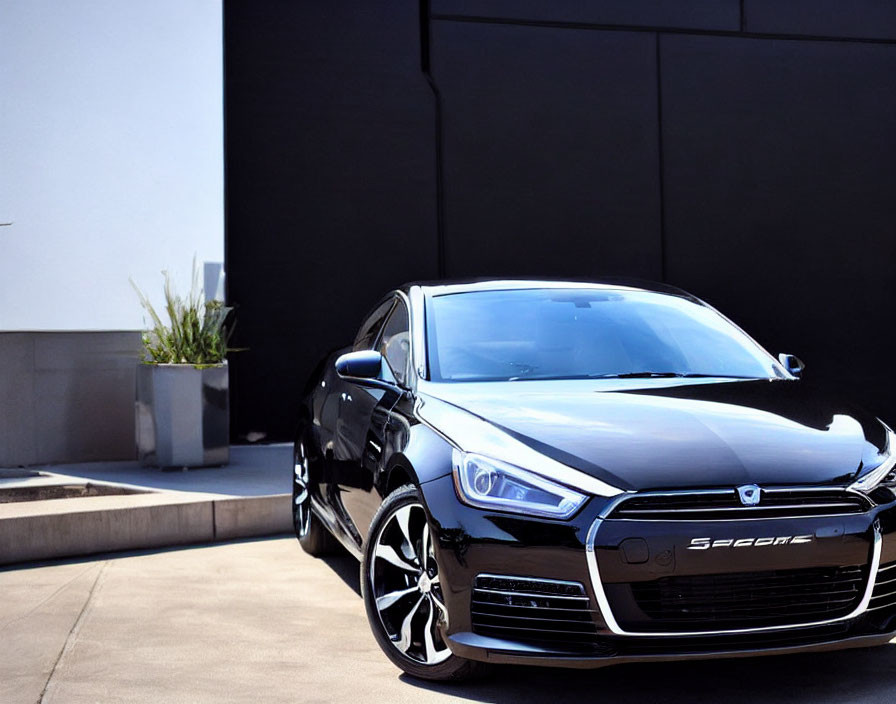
182	415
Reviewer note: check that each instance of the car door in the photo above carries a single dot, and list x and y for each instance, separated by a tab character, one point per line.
341	440
361	421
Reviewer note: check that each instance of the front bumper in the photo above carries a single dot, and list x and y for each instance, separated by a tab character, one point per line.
587	551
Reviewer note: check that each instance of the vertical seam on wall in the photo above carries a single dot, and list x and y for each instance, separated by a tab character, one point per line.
426	68
224	191
661	165
232	379
34	410
743	15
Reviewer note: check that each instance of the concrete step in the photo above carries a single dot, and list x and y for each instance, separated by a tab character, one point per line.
143	507
42	530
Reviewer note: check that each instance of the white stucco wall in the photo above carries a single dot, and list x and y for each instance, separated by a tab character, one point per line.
111	156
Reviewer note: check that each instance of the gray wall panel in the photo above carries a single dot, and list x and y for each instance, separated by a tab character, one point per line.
67	396
16	399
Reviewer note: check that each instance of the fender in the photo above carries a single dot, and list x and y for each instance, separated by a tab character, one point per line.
425	457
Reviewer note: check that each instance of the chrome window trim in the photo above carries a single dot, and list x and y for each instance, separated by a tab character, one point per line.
402	297
614	627
416	307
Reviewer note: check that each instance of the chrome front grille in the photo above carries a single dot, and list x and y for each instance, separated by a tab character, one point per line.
689	602
884	595
552	614
723	504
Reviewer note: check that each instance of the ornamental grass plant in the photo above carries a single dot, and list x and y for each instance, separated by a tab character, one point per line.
196	333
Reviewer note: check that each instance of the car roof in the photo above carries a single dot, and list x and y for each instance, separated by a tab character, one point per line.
448	286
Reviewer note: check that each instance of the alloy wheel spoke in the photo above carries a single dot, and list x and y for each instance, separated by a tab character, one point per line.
301	463
386	600
301	495
404	642
429	646
424	547
402	518
389	554
303	518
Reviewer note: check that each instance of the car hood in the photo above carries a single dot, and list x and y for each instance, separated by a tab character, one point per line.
672	433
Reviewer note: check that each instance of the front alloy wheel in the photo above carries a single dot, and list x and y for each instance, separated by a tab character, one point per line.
405	586
403	591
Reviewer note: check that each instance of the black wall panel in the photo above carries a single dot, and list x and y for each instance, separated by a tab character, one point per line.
331	195
550	150
690	14
564	138
871	19
780	175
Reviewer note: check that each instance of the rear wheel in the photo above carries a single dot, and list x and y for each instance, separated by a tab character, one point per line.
402	591
314	538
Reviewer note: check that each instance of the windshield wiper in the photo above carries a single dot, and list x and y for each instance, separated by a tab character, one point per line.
638	375
667	375
625	375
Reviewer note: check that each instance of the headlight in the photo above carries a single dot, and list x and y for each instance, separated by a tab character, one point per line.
885	474
488	483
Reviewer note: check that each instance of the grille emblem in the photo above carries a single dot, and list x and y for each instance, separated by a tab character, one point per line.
749	494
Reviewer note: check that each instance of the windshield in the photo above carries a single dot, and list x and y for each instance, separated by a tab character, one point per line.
584	333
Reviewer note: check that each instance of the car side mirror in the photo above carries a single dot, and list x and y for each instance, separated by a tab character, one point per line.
366	364
364	368
792	364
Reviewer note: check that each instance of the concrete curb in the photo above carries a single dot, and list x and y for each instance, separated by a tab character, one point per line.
96	526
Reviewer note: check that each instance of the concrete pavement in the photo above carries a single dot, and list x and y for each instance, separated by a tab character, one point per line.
260	621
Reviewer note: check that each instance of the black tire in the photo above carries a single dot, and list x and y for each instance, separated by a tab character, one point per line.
312	535
401	519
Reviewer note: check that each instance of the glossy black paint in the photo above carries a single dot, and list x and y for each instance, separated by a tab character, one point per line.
654	436
635	434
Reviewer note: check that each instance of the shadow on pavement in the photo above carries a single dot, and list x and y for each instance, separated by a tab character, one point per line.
347	569
867	675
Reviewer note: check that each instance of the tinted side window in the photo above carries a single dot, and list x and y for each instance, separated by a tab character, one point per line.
366	336
395	344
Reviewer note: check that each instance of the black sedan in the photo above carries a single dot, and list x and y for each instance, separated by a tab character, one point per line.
581	474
